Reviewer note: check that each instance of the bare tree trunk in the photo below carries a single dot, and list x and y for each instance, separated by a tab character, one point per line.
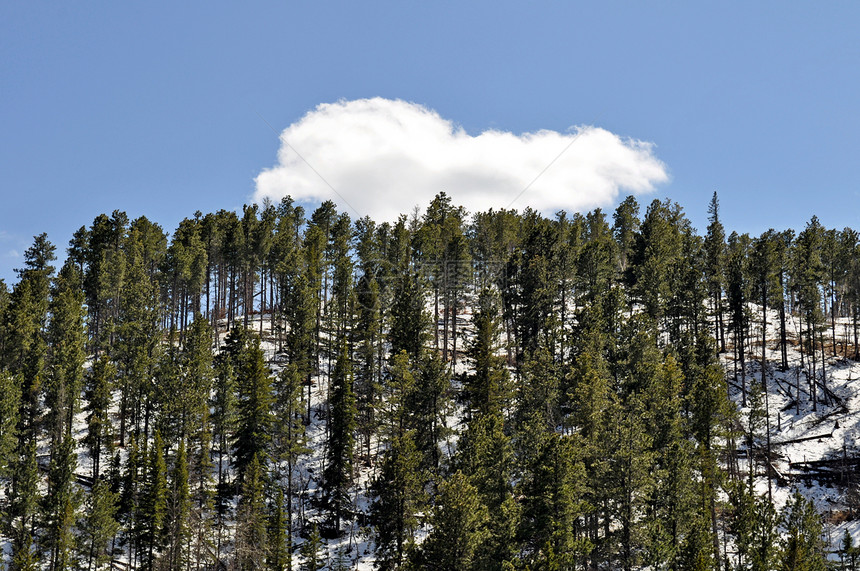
445	311
764	387
833	316
783	341
722	331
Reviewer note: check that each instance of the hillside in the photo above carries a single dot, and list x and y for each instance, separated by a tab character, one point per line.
498	390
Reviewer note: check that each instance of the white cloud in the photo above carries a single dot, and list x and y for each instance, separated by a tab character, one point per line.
383	157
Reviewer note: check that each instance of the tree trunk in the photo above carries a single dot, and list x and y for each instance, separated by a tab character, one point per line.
783	342
764	387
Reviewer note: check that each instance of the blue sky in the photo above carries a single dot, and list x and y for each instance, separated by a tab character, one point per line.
156	108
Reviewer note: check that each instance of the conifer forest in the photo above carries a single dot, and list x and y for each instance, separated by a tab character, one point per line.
280	388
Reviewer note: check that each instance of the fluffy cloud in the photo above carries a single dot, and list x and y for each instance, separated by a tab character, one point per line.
381	158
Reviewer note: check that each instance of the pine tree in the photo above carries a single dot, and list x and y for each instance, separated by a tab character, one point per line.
596	264
177	531
99	382
738	297
104	275
202	495
223	426
10	403
711	415
254	404
25	345
133	335
130	506
399	492
754	525
289	441
408	330
251	536
657	257
808	276
554	505
430	402
279	556
99	526
66	354
301	301
196	374
802	547
154	503
338	473
488	388
697	551
22	510
490	467
533	286
625	229
632	481
848	553
458	526
312	559
715	261
60	507
368	331
673	499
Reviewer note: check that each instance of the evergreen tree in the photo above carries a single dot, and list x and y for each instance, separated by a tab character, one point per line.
533	285
488	388
202	495
254	404
430	403
196	375
658	254
715	261
632	483
697	551
625	229
251	536
60	507
279	556
177	531
223	426
754	524
99	526
399	492
289	443
312	559
104	275
10	402
485	455
99	382
408	330
66	354
133	331
738	297
25	346
802	547
338	473
673	501
458	526
807	277
154	504
130	506
368	331
848	553
22	510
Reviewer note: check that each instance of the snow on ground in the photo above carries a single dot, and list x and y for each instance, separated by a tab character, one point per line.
798	433
801	433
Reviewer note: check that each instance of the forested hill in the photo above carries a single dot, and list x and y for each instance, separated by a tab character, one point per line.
498	390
